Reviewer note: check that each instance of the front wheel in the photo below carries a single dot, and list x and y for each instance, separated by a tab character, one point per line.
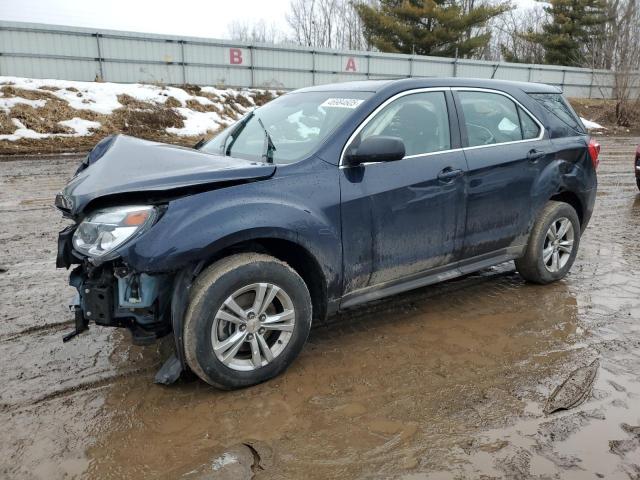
553	244
248	318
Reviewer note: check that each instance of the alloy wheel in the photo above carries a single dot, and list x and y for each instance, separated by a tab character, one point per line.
253	326
558	244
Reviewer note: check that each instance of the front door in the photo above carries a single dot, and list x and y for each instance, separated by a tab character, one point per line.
404	217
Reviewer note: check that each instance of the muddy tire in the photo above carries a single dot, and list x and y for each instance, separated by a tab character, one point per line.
248	318
553	244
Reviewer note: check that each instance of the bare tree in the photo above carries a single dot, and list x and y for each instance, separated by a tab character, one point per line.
626	60
510	31
259	32
326	24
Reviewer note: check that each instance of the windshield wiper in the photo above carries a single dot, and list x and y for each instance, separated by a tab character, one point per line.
269	145
236	132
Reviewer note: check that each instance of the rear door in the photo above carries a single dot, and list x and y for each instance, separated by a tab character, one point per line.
404	217
505	150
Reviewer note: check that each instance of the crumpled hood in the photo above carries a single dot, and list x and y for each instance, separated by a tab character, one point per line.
126	165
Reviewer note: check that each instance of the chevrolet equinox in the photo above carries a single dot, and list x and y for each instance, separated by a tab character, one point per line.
323	199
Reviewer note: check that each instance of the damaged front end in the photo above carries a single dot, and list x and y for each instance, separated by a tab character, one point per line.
111	294
119	192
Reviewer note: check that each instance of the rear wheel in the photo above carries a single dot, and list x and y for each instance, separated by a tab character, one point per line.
638	182
553	244
248	318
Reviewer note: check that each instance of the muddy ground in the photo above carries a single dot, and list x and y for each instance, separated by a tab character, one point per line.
445	382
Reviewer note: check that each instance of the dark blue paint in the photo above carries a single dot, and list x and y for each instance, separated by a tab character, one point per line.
366	226
130	165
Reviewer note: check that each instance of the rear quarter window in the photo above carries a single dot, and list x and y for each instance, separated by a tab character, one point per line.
560	108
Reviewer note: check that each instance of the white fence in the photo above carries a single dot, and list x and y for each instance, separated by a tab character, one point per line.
49	51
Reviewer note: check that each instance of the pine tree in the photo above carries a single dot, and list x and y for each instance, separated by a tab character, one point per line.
428	27
571	27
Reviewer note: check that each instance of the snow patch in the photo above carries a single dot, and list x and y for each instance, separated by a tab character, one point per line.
222	461
10	102
22	132
102	98
197	123
81	126
589	125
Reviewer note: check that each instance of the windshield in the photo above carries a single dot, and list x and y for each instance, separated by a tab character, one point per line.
287	129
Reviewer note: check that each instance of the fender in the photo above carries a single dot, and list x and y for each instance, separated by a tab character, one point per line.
562	175
195	228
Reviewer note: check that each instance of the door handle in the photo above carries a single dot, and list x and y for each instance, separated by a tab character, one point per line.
449	174
534	155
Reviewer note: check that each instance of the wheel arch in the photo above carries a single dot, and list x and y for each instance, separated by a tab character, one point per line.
297	256
572	199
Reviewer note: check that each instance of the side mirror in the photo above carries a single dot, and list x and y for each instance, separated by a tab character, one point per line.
376	149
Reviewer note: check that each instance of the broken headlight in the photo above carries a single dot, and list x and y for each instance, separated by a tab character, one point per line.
105	230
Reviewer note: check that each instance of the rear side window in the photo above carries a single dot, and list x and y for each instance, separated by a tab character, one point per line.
491	118
530	129
419	119
558	106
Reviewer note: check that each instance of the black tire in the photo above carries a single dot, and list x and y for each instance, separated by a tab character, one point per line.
531	265
210	290
638	182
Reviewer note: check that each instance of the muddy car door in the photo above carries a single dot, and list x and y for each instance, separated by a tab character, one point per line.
404	217
506	150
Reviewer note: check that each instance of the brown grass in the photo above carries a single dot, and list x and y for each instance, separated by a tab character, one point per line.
6	125
130	102
149	123
36	119
195	105
604	113
192	89
211	96
264	96
10	91
242	100
172	102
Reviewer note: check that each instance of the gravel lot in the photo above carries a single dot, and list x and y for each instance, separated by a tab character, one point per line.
445	382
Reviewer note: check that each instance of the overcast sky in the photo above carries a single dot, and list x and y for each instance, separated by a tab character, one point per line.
199	18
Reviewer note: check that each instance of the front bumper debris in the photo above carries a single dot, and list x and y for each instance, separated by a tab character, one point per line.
81	324
112	295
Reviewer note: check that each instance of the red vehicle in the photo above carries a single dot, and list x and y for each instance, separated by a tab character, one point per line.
637	166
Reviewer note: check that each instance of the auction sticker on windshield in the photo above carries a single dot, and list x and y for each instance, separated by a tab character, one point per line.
342	102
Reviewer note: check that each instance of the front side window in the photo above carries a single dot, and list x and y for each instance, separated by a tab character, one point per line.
419	119
288	129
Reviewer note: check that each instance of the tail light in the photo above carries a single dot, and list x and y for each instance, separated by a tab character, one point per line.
594	151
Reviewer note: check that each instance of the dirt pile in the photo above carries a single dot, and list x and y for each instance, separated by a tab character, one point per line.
43	119
604	113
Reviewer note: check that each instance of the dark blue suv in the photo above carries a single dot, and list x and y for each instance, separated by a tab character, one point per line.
321	200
